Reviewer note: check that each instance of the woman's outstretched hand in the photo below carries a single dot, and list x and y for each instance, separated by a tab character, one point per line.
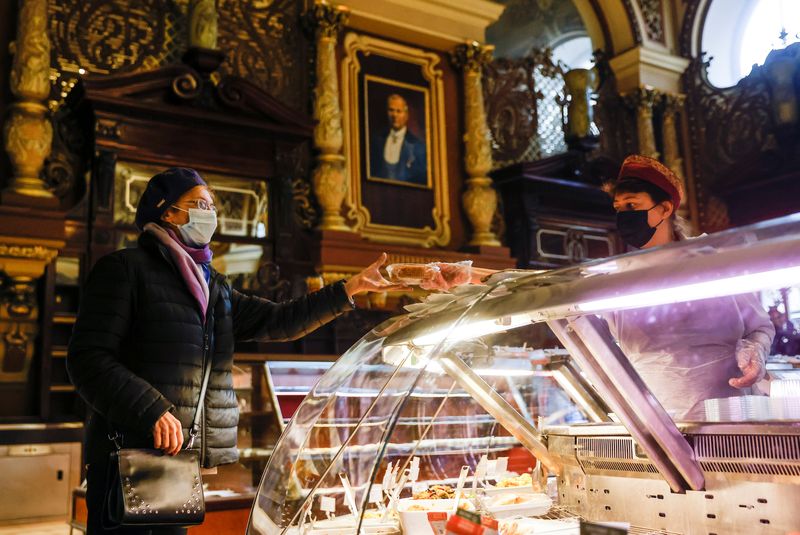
371	280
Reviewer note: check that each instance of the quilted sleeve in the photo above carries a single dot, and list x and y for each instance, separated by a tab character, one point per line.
256	318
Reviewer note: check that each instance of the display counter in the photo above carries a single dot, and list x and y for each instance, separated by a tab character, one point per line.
634	422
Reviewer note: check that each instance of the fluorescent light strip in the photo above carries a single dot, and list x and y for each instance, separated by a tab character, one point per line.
468	331
778	278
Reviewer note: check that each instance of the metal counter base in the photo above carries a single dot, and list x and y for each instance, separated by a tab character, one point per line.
752	480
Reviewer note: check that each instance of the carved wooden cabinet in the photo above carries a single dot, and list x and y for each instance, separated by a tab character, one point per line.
556	214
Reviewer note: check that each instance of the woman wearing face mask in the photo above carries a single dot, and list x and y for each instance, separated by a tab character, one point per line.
151	315
685	352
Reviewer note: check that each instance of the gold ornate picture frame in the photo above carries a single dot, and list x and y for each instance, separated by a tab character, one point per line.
411	208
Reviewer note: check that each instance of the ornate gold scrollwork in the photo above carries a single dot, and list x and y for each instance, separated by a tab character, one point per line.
480	198
28	133
328	178
22	262
186	86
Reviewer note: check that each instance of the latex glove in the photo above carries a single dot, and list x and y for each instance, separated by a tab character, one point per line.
371	280
752	360
449	276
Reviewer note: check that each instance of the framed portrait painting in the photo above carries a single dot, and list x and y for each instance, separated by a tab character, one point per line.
394	138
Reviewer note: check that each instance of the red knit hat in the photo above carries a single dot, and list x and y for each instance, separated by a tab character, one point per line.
655	172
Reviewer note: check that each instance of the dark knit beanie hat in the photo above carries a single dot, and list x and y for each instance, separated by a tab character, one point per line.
162	191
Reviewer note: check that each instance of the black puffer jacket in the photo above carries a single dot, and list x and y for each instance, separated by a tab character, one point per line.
137	348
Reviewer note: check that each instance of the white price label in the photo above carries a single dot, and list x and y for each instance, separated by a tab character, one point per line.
419	487
327	504
414	474
376	494
502	466
487	469
480	470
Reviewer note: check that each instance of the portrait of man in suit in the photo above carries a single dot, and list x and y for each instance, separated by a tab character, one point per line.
397	153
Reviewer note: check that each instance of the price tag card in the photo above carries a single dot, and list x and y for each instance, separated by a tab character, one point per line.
414	474
327	504
480	470
489	469
376	494
501	467
387	476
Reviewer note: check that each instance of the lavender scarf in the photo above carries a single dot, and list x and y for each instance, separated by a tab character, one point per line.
186	259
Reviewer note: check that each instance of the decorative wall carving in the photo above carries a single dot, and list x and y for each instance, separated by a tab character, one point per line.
633	21
653	13
264	43
102	37
725	123
22	262
18	328
306	213
510	94
742	136
262	40
523	99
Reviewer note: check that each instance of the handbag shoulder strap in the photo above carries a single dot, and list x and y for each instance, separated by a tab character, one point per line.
195	428
207	358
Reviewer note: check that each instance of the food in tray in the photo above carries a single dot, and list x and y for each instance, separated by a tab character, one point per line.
518	504
436	492
411	273
409	506
536	526
512	499
522	480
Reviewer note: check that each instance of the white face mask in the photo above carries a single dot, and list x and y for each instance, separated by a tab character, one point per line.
200	228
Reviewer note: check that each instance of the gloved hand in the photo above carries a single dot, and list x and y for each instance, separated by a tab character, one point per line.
752	360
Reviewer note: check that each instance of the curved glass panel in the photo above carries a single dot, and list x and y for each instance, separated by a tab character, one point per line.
468	385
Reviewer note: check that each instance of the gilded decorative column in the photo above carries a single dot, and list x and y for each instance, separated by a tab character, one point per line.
480	198
642	100
27	132
203	28
328	179
580	84
672	152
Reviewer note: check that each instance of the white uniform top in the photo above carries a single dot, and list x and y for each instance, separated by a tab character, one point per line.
686	352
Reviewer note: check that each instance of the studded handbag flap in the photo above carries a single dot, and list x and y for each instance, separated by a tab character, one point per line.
156	489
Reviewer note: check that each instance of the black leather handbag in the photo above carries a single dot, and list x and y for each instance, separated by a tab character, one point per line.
149	488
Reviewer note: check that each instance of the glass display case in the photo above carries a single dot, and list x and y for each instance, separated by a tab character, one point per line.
635	421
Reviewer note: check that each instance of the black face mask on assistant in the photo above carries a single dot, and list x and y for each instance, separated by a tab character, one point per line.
634	228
